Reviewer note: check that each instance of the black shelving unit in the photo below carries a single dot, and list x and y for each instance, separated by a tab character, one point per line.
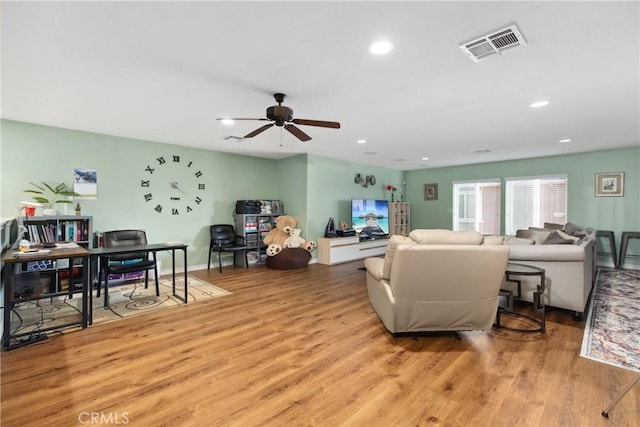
54	274
254	227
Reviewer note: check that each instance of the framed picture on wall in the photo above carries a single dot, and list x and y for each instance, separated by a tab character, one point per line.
610	184
431	191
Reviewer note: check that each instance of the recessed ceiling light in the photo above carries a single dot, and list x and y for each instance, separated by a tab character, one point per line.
361	141
227	122
565	140
381	47
539	104
425	158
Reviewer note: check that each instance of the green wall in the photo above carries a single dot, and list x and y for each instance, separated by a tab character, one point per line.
313	188
605	213
331	187
40	153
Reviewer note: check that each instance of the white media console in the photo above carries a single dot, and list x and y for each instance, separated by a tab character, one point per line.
344	249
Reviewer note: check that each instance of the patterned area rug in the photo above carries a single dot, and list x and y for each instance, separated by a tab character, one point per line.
128	299
612	332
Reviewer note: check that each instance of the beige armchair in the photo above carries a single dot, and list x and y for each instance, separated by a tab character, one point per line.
436	287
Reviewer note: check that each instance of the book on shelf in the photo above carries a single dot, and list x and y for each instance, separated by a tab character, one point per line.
73	230
66	245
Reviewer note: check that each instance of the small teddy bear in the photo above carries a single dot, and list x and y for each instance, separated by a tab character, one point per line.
294	240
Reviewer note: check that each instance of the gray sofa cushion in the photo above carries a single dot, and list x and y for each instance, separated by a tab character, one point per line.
553	226
511	240
555	238
576	230
538	236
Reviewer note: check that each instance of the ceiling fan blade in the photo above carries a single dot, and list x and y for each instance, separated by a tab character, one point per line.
320	123
297	133
231	118
258	131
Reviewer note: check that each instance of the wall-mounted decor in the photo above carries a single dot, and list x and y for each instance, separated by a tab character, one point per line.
85	183
431	191
610	184
365	181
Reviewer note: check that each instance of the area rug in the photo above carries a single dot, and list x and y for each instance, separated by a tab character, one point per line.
612	331
128	299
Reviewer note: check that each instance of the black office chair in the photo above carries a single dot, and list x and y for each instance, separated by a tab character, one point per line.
126	263
224	239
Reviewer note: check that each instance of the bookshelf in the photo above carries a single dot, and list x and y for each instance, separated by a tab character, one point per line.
54	274
254	227
399	218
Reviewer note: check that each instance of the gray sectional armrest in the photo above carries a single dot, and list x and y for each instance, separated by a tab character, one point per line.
547	252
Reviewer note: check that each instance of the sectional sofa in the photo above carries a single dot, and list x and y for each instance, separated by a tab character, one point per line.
566	252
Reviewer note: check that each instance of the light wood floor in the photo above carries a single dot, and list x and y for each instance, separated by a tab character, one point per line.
304	347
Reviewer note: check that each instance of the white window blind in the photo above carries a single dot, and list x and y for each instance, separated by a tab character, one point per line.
532	201
476	206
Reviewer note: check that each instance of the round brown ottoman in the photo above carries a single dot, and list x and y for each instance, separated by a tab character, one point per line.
289	259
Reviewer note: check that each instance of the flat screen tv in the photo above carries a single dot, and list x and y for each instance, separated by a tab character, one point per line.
370	217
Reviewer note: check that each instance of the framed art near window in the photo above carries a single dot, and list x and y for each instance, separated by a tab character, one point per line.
431	191
610	184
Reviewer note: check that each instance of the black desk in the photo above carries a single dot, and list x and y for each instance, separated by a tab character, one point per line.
155	247
9	261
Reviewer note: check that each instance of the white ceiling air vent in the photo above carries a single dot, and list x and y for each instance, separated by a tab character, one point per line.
486	46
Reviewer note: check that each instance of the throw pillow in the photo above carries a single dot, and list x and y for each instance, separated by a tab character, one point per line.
537	236
556	239
568	236
576	230
524	234
552	226
493	240
510	240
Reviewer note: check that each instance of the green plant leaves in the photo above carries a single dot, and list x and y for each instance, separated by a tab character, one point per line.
50	195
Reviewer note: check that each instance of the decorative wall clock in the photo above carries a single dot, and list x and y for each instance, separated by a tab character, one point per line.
173	185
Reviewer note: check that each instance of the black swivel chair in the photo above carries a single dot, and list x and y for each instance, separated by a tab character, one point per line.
126	263
224	239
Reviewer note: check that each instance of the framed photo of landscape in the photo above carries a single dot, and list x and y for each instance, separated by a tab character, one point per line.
431	191
610	184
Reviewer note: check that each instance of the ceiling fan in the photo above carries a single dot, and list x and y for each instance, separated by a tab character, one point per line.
282	116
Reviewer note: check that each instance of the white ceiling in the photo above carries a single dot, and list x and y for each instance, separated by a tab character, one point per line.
164	71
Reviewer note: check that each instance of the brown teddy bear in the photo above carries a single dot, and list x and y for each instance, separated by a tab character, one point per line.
276	238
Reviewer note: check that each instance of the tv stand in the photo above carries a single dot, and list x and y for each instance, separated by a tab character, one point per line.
371	237
345	249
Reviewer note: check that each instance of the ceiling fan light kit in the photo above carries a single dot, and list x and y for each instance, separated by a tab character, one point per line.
282	116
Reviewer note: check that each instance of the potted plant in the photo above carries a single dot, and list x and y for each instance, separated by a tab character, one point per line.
49	195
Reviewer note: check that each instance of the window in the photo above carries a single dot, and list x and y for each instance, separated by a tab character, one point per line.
476	206
532	201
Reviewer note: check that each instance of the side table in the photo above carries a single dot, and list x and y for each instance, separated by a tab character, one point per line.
515	269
